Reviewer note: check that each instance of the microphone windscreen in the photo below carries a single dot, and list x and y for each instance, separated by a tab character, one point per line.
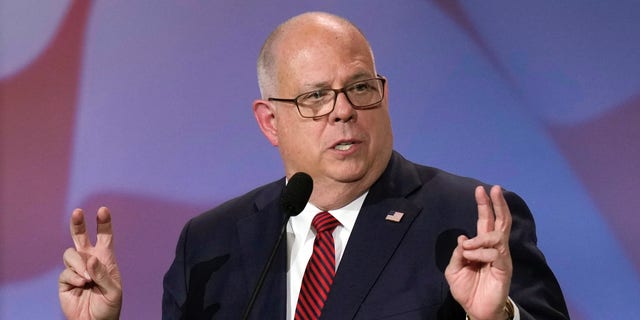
296	194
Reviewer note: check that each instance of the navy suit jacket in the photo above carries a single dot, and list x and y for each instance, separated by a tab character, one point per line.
389	270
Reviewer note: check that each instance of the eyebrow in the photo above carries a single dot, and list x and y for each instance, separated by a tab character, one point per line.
315	86
326	85
362	75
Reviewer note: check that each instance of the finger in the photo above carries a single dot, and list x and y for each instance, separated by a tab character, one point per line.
105	230
483	255
457	260
487	240
501	209
496	257
79	230
69	280
101	277
485	211
73	260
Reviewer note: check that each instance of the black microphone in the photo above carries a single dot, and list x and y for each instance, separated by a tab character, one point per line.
293	200
296	194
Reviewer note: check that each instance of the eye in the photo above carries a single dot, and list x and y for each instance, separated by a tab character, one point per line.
360	87
314	97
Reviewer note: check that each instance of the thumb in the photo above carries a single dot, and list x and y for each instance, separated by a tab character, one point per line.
457	261
109	286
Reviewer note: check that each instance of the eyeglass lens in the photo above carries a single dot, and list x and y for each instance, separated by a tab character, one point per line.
360	94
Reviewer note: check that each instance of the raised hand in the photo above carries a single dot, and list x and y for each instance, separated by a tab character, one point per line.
90	287
480	269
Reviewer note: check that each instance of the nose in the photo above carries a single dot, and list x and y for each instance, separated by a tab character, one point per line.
343	111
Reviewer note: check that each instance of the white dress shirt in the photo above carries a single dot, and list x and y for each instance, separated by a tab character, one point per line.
300	237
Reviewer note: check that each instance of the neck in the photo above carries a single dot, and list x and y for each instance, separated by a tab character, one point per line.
335	195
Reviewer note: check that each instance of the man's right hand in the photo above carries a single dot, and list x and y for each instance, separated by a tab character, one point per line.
90	287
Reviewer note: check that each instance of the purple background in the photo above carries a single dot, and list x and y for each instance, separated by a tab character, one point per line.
145	107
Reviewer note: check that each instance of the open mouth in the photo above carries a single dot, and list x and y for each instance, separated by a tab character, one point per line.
346	145
343	146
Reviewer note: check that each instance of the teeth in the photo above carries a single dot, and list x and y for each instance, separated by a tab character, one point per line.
344	146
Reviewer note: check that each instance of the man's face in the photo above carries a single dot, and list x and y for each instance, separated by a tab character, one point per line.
347	145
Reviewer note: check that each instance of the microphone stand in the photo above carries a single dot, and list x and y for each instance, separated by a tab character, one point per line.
292	201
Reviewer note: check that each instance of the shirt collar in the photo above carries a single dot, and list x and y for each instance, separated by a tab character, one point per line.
347	215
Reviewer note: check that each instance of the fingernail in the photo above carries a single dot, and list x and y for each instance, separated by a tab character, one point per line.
87	276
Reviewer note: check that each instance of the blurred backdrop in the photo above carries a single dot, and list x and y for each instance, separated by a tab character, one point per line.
145	107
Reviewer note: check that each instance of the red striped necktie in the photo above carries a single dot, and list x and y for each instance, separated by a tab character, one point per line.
321	268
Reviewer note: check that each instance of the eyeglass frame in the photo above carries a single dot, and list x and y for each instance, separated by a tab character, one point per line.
335	97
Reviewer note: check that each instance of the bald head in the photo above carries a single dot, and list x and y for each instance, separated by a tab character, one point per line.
293	35
345	150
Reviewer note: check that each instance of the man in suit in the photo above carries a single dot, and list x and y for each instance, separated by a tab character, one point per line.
411	242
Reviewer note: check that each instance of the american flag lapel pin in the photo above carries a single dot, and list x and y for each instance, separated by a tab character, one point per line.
394	216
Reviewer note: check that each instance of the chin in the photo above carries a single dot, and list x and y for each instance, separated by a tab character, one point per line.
349	174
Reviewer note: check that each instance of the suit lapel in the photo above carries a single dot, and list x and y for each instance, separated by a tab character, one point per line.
374	239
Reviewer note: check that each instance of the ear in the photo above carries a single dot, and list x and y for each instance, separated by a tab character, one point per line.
265	114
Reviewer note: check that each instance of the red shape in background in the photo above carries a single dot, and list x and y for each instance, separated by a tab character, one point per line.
37	114
604	153
146	231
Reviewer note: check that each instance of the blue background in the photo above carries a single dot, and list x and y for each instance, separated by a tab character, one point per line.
145	107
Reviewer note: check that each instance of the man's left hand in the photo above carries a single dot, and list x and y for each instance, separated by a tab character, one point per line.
480	269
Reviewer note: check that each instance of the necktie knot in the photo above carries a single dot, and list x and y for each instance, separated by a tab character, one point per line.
324	222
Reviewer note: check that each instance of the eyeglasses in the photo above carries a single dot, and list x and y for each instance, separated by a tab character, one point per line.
364	94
